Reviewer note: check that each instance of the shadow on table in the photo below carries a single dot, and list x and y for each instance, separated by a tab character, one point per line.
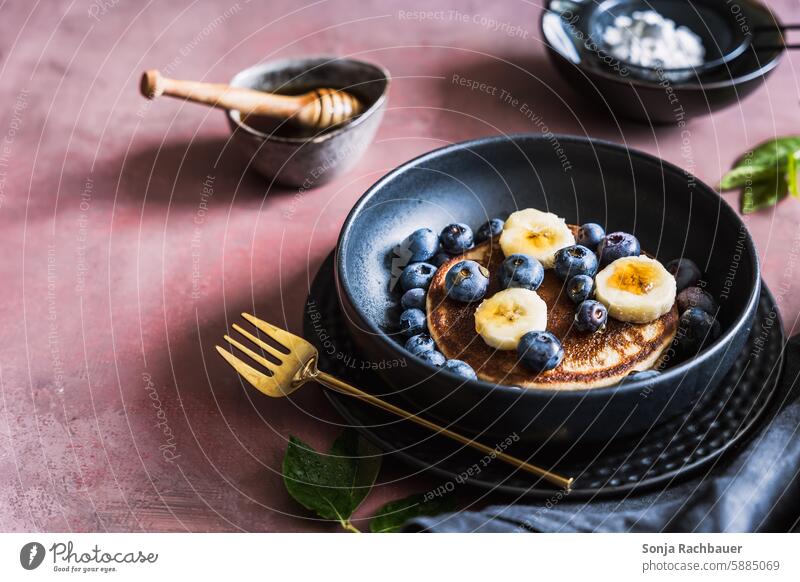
177	172
526	93
229	439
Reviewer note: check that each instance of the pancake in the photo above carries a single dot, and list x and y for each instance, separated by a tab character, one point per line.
591	360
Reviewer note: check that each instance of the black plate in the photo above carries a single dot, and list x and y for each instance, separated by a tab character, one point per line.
722	417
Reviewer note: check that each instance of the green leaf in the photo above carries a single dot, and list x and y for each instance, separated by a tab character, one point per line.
766	160
393	515
332	485
745	174
774	151
764	194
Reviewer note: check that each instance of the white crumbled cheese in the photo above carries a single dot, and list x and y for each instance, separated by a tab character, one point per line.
647	39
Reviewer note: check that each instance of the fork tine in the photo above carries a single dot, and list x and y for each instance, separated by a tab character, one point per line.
260	381
254	356
281	336
273	351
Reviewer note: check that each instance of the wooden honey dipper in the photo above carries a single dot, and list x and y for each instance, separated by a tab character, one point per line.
317	110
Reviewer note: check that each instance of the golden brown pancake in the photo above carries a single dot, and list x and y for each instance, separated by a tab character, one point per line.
591	360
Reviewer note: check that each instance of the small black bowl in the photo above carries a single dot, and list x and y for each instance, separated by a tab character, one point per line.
744	44
673	215
292	157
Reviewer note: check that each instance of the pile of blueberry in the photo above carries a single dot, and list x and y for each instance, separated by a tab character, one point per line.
577	265
698	325
426	252
467	281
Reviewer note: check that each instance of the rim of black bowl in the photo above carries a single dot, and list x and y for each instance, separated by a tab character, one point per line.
691	86
382	76
720	344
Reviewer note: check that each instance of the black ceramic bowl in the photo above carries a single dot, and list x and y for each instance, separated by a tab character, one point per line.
582	180
281	152
744	39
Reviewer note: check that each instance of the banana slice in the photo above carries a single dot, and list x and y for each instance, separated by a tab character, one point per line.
506	316
636	289
535	233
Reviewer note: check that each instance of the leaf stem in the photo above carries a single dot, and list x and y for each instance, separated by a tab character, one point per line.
792	175
347	524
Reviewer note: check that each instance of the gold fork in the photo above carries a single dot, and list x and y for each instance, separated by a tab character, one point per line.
298	365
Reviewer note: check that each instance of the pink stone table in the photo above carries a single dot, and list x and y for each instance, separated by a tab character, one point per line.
131	235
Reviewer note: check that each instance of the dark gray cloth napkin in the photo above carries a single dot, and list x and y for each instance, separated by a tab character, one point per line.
757	491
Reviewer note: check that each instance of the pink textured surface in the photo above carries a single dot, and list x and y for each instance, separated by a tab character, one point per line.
118	280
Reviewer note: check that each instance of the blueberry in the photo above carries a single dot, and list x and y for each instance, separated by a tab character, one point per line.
413	299
617	245
590	235
490	229
412	322
420	343
696	297
540	350
521	271
463	369
685	271
422	244
417	276
466	281
433	358
696	330
575	260
580	288
591	316
456	238
642	375
440	259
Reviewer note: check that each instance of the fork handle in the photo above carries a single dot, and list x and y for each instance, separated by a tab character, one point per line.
343	387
